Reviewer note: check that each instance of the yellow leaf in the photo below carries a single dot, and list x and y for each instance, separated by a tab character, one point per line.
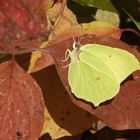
51	127
107	16
102	29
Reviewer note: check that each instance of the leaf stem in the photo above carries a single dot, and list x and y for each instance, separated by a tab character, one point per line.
131	30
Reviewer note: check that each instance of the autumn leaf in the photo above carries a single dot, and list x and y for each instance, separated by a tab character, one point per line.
21	104
62	117
41	60
27	25
50	125
99	28
96	28
18	47
66	20
124	108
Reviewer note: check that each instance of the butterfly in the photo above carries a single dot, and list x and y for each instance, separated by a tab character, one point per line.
96	71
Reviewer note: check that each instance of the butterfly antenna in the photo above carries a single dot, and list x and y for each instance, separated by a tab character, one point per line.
77	42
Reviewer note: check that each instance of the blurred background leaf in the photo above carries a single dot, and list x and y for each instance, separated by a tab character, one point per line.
87	8
136	22
101	4
133	6
107	16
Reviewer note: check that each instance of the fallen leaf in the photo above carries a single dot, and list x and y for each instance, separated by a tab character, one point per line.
124	108
21	104
66	20
62	118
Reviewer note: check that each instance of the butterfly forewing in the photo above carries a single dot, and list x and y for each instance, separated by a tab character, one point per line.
119	62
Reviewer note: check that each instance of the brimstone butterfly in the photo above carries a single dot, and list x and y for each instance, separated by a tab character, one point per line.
96	71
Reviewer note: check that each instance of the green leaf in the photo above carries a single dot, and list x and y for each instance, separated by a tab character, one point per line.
101	4
96	71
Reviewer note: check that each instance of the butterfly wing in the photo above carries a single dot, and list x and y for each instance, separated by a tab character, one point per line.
96	72
91	85
116	63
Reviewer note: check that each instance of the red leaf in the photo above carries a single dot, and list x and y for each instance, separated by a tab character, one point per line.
21	104
122	112
19	47
119	113
22	25
20	20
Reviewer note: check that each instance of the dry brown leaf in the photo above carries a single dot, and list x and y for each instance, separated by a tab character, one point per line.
65	117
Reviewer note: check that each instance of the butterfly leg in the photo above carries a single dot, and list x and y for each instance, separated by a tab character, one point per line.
67	55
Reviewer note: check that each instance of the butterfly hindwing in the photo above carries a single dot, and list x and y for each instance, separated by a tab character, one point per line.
96	71
91	85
